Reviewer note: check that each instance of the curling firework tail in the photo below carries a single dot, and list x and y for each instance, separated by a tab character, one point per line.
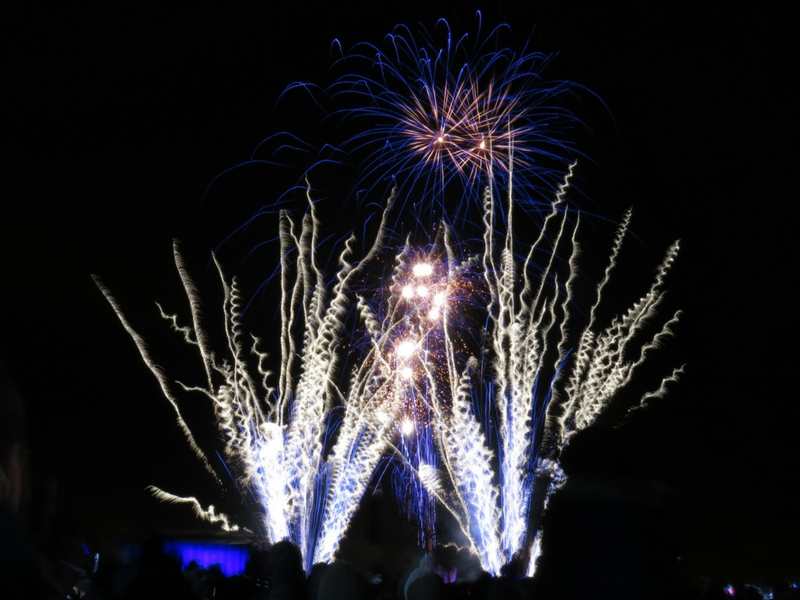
467	364
276	436
543	393
439	116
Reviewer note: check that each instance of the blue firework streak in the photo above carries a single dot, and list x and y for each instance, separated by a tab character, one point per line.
440	117
416	476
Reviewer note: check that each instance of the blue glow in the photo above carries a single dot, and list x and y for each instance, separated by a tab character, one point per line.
729	590
231	559
446	109
764	592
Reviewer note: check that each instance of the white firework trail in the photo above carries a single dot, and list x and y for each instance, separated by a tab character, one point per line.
542	393
276	436
398	332
207	514
519	338
414	351
468	462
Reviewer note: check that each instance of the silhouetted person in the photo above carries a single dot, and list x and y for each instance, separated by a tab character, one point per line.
427	564
159	575
505	588
428	586
287	576
340	583
21	574
314	580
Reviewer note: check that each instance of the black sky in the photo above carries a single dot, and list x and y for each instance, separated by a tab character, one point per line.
114	122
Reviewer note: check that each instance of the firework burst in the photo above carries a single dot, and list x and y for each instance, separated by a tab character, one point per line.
466	368
440	115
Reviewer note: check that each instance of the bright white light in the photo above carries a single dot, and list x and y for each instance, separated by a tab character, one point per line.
282	458
430	478
280	451
483	144
423	270
406	349
440	139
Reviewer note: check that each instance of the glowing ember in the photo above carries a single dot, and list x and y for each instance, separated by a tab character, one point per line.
423	270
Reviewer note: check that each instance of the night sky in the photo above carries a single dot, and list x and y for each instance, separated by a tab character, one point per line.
114	124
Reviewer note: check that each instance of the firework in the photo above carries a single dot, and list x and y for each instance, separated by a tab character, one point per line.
425	289
542	391
415	379
307	486
464	365
439	116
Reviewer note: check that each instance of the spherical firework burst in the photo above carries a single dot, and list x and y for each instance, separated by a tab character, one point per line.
439	113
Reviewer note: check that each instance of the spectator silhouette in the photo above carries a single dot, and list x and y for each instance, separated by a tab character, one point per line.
428	586
340	583
287	576
159	575
21	574
318	571
426	565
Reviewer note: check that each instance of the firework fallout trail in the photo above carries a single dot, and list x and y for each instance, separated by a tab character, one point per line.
470	360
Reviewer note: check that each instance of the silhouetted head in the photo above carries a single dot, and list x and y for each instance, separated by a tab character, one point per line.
318	572
12	440
429	586
340	582
286	564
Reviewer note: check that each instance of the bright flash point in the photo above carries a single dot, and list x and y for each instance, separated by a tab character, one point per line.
483	144
408	291
408	427
440	139
382	416
422	291
406	349
434	313
439	298
423	270
406	372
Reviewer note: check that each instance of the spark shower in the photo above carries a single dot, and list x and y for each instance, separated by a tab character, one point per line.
471	363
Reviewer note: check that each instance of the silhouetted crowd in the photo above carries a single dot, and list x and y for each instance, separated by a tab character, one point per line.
277	573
